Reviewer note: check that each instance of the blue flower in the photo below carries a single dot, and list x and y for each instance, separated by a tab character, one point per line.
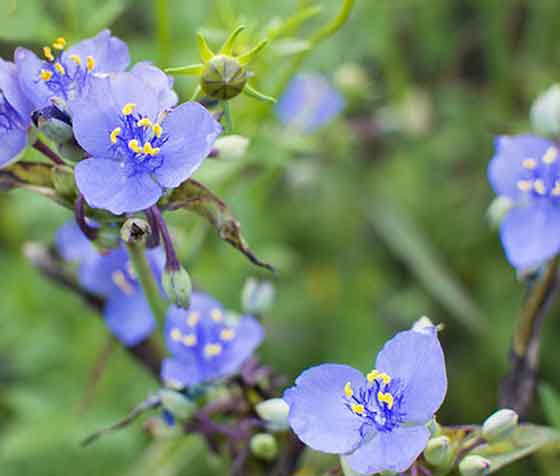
126	313
309	102
137	149
67	74
526	170
376	421
206	343
15	112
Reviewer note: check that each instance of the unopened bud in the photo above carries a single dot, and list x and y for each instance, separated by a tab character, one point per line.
438	451
177	404
353	80
54	123
257	296
424	325
474	465
275	413
232	147
433	427
71	151
64	182
223	77
178	287
500	425
264	446
498	209
135	230
545	112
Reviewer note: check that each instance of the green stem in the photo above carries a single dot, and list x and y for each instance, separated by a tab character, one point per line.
145	276
163	31
334	25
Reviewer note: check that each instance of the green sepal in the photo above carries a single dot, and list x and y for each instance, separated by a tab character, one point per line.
227	48
206	54
190	70
248	57
252	92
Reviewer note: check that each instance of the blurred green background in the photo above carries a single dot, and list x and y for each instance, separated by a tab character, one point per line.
373	221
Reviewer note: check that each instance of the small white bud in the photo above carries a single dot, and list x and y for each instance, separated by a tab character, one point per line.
500	425
474	465
264	446
438	451
545	112
275	413
232	147
257	296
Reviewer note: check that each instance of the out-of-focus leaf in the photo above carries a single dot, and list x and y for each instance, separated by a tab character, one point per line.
30	175
551	403
290	46
105	15
195	197
24	20
411	246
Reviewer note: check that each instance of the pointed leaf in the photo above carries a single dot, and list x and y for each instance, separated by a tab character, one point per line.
190	70
252	92
248	57
206	53
227	48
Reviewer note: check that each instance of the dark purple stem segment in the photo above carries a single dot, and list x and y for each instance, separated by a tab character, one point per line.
154	238
79	212
40	146
172	262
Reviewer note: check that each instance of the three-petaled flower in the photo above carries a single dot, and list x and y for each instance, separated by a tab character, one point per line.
376	421
206	343
526	170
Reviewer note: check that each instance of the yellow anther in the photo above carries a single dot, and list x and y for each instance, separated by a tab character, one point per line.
556	189
377	375
525	185
358	408
212	350
348	390
59	43
539	187
372	376
48	53
386	398
122	283
45	75
149	150
176	334
134	146
128	108
193	318
190	340
227	335
529	164
144	122
76	59
550	155
115	134
59	68
158	130
90	63
217	315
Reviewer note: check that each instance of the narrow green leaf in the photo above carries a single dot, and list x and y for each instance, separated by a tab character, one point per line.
550	399
227	48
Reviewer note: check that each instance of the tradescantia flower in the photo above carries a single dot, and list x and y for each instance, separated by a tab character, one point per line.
67	74
309	102
138	149
15	112
526	170
206	343
376	421
126	313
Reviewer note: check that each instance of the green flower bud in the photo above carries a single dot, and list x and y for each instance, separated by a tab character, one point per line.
54	123
423	325
545	112
438	451
64	182
275	413
257	296
135	230
500	425
474	465
71	151
232	147
264	446
180	406
223	77
178	287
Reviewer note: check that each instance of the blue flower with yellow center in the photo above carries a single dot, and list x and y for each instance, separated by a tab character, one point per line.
377	421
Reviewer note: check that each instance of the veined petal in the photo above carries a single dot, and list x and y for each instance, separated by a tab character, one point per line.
128	88
28	66
109	53
160	82
10	87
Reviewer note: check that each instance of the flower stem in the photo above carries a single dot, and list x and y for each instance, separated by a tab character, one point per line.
79	213
172	262
40	146
163	32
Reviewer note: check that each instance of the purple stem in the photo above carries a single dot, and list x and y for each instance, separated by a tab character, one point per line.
153	238
79	212
172	262
48	152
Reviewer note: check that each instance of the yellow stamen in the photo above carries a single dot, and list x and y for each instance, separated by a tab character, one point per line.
59	68
48	53
59	43
158	130
134	146
227	335
358	408
128	108
529	164
217	315
525	185
556	189
90	63
115	134
176	334
550	155
190	340
212	350
45	75
348	390
193	318
149	150
76	59
144	122
377	375
386	398
539	187
122	283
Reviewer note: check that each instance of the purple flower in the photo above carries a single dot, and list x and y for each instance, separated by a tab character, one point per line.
376	421
309	102
526	170
126	313
206	343
15	112
137	149
67	74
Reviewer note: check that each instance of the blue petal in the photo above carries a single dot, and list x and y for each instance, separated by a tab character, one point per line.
109	52
12	144
105	184
392	451
531	234
505	168
318	414
128	88
96	275
10	87
159	82
28	66
72	245
192	130
180	373
417	360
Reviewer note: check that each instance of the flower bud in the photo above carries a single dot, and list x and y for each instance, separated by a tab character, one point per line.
434	428
545	112
135	230
474	465
232	147
223	77
177	286
500	425
275	413
264	446
54	123
64	182
177	404
438	451
424	325
257	296
353	80
498	209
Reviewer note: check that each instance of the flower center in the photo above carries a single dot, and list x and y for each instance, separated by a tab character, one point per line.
377	402
9	117
541	176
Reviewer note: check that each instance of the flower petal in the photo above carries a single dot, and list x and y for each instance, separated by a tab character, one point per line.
72	244
109	53
97	274
180	373
392	451
417	360
28	66
192	130
12	91
13	142
318	413
129	88
105	184
159	82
